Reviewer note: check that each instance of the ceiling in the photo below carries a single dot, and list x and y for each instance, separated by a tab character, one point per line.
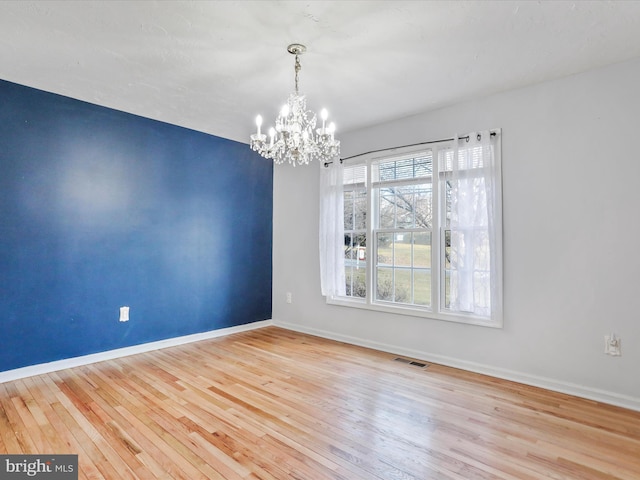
213	65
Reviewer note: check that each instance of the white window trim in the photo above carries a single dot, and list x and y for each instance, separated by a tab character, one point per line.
434	312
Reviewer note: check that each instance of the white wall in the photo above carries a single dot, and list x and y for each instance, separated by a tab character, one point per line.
571	193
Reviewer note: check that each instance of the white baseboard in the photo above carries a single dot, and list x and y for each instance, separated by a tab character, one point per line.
527	379
39	369
503	373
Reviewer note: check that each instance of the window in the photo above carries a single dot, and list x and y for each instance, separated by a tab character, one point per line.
355	231
402	191
423	232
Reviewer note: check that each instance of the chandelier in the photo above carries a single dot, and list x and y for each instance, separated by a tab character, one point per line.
295	138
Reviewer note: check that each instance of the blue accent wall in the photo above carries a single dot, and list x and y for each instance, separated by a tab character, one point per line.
101	209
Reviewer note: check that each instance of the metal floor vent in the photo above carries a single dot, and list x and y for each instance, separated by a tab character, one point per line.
410	362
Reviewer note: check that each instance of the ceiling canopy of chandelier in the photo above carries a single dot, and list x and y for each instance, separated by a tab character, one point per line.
295	138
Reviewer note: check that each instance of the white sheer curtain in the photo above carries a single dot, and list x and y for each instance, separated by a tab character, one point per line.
476	236
332	277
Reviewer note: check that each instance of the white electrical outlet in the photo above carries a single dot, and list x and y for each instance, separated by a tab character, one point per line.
289	297
124	314
612	345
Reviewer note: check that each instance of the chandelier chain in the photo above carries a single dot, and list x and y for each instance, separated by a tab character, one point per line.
297	68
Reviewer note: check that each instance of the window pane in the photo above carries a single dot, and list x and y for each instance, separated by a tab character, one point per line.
447	249
422	287
355	175
386	208
360	210
348	246
402	285
385	249
423	206
482	252
467	269
356	284
355	248
348	210
468	158
402	246
447	289
482	291
445	158
416	165
422	250
355	264
405	206
384	284
446	262
447	201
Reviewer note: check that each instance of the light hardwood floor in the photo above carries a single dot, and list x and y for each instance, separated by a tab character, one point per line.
274	404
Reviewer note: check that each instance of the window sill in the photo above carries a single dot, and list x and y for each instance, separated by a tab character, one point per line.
415	312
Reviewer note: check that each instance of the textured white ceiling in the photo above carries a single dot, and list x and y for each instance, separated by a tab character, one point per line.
213	65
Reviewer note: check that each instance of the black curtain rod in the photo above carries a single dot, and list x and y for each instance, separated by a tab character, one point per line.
326	164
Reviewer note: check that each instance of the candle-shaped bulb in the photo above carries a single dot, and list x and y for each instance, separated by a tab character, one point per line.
272	134
284	113
323	115
259	123
332	129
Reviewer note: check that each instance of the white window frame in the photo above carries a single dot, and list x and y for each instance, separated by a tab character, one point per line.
436	310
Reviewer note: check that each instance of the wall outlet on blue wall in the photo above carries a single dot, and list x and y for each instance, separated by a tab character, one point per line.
124	314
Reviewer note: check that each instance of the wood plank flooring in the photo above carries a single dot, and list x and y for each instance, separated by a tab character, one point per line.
275	404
